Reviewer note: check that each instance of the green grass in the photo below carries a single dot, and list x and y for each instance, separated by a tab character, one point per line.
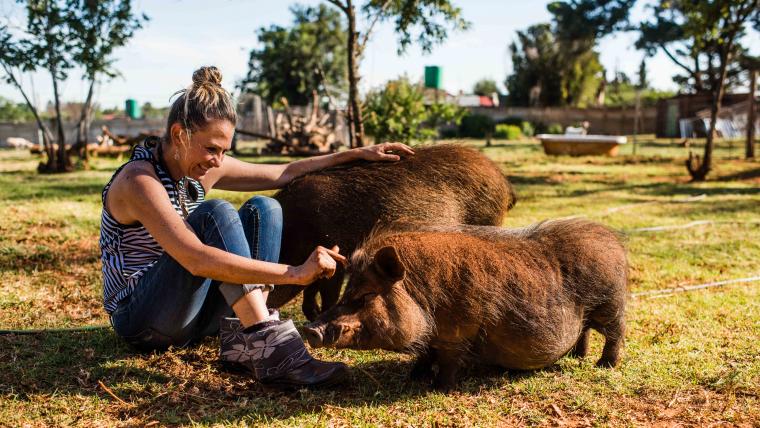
690	358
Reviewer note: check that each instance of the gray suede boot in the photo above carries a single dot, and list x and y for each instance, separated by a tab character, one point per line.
275	354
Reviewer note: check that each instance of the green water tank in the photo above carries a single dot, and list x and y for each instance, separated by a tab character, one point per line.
433	77
133	109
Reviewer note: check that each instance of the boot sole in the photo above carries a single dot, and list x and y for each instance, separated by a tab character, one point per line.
232	367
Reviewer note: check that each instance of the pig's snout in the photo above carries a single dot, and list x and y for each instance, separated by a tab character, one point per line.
321	334
315	333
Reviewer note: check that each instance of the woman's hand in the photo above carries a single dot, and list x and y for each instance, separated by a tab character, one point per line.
383	152
320	264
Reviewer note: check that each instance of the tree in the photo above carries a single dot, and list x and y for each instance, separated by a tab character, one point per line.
485	87
643	82
578	24
697	57
14	112
44	47
397	112
294	61
426	21
55	39
556	64
707	34
536	77
97	28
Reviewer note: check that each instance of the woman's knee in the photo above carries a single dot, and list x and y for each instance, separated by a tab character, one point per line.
264	206
262	211
212	211
262	220
217	223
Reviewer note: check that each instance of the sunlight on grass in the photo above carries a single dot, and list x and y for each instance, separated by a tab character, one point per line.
690	358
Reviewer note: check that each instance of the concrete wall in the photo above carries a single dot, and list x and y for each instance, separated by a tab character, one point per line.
608	121
117	126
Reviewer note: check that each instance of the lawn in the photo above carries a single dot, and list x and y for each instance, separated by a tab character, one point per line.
691	357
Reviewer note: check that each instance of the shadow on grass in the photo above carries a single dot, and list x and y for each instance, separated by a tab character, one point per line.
182	386
743	175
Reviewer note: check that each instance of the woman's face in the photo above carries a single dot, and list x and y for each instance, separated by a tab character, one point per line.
207	148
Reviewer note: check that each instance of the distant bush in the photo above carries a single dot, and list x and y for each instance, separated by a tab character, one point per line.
448	133
526	127
397	112
476	126
555	128
508	132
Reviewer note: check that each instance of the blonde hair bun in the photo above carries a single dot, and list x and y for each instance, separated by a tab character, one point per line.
207	75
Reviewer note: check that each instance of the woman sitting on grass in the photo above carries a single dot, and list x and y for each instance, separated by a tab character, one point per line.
176	266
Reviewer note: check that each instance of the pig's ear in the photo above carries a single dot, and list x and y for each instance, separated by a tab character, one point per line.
388	264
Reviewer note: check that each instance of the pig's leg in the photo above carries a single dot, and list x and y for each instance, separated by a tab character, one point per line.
449	363
423	366
329	293
581	346
309	305
613	341
329	290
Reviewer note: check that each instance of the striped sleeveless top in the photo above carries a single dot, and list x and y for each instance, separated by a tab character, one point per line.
128	251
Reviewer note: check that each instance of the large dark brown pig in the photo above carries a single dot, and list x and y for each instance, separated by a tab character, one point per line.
442	184
519	298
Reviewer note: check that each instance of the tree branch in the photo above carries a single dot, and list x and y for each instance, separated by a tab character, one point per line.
675	60
339	5
372	26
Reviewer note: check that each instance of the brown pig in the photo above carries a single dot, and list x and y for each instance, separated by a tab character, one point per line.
515	298
444	184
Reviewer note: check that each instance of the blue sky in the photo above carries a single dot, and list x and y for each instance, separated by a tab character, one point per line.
185	34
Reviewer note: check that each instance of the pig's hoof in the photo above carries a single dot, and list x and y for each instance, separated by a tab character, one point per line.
421	373
606	363
577	353
443	385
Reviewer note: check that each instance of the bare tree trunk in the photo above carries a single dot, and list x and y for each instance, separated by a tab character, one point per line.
750	148
356	132
63	163
83	130
699	170
47	137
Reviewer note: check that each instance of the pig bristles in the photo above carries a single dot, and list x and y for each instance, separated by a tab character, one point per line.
484	298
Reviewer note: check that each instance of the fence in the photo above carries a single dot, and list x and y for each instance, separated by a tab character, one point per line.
116	126
606	121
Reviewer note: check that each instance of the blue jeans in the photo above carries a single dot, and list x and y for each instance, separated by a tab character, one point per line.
171	307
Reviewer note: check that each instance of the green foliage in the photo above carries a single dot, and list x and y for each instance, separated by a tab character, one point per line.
544	74
425	21
525	127
292	62
397	112
536	77
96	29
14	112
507	132
698	37
476	126
58	36
150	112
485	87
556	65
555	128
587	20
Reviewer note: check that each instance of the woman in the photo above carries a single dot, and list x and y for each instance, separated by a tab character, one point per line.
177	267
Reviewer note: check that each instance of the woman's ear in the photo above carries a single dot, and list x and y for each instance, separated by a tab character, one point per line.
177	133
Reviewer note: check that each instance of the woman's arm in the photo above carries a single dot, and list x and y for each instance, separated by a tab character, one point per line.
146	202
243	176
